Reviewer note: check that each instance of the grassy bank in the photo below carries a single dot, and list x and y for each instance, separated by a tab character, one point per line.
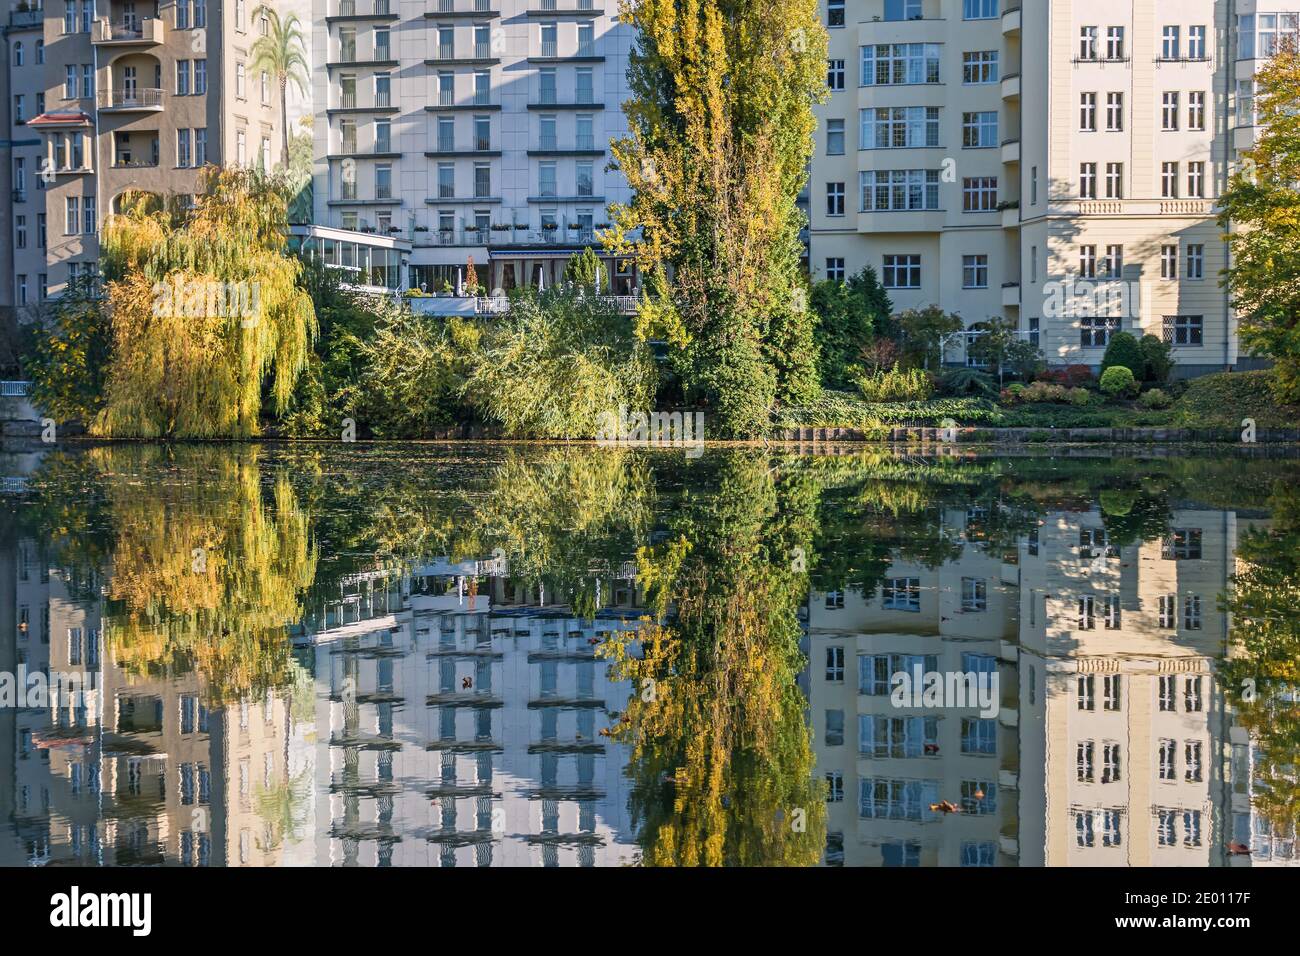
1222	400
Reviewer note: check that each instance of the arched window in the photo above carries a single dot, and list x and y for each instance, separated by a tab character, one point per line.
18	53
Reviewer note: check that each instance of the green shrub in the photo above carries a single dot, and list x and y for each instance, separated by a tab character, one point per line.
1155	399
1037	392
1118	380
896	385
1078	397
1123	351
967	381
1015	388
1156	362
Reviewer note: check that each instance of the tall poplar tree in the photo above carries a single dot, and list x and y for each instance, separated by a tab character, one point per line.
720	133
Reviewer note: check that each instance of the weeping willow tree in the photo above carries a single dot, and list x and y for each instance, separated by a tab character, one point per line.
720	132
207	570
722	762
202	309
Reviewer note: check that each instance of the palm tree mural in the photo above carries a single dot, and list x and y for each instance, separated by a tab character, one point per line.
282	52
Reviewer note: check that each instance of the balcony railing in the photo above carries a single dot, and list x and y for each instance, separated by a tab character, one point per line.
26	18
15	389
141	98
120	163
549	48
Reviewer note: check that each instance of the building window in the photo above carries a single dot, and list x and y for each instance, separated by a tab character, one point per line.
974	594
835	268
1112	698
835	75
1087	180
901	272
835	137
1168	760
979	130
835	786
1088	262
1192	761
1087	43
1114	180
1169	180
1196	110
1113	263
834	600
1083	765
978	735
1192	695
902	9
979	9
1095	331
1110	763
1192	612
1085	696
1196	43
1088	112
979	67
834	199
1184	329
1114	112
898	127
900	63
1114	43
975	272
898	190
835	13
979	194
1169	112
1169	262
1195	261
1169	43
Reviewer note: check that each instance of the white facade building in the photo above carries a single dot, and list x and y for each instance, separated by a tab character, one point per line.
1056	164
472	129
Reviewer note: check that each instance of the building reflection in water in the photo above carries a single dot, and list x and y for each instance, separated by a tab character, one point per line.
1112	744
447	716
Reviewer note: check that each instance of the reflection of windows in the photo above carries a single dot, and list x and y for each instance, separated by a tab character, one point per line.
1192	612
978	854
1087	620
834	727
1192	700
974	594
1168	612
835	664
1111	821
978	735
888	799
1084	835
979	797
1191	828
876	671
880	736
835	787
1192	761
1085	699
1111	692
900	853
1167	693
1168	760
901	594
1110	763
1184	544
835	600
1165	827
1083	765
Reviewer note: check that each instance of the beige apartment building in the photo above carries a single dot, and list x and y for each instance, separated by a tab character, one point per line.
106	98
1111	746
1054	164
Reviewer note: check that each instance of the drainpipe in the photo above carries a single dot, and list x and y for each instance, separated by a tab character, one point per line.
1230	73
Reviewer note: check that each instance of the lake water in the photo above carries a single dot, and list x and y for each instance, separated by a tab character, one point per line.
471	655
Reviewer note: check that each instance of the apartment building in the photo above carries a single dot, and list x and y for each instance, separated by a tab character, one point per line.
1053	164
470	129
110	98
1112	745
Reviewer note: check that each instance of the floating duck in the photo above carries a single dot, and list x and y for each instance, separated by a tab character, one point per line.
1238	849
944	806
467	683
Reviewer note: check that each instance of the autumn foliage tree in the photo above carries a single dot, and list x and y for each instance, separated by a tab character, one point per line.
1261	207
720	129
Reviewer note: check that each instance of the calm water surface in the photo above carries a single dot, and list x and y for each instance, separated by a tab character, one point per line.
494	655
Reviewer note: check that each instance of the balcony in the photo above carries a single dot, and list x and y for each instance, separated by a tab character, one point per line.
26	19
1011	21
129	33
1011	215
1011	86
1011	294
1011	151
140	100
